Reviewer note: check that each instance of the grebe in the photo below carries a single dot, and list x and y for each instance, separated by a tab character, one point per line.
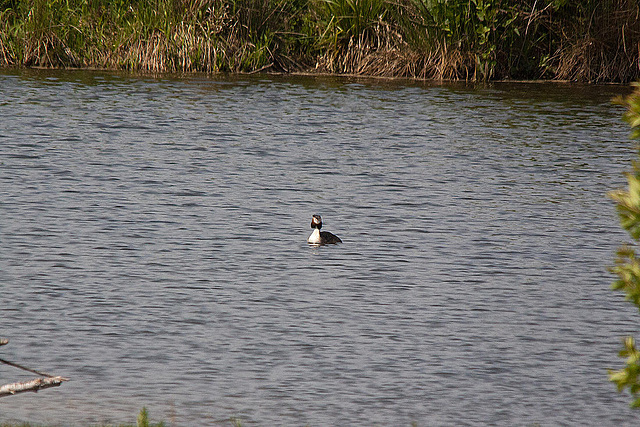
321	237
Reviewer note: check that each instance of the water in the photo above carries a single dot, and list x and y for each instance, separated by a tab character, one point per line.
153	240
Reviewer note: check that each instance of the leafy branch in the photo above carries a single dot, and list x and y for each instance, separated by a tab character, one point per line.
627	266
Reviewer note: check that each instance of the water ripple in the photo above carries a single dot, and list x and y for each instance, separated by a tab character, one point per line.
153	234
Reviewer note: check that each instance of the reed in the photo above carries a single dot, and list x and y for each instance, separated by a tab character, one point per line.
604	41
157	36
591	40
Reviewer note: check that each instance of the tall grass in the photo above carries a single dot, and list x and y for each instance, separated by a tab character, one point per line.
591	40
603	41
472	39
157	35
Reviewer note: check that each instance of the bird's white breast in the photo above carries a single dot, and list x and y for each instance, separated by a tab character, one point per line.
314	239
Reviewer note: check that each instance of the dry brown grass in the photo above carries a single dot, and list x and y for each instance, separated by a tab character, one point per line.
598	44
390	56
608	49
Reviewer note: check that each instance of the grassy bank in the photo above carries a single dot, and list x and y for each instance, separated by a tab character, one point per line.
141	421
589	40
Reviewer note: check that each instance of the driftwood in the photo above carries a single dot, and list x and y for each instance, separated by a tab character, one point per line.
33	385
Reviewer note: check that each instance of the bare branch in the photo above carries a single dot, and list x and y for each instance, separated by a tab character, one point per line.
24	368
33	385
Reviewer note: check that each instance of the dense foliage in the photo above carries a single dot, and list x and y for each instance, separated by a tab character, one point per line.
628	264
592	40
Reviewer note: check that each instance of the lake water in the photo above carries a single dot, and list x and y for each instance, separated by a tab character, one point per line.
153	249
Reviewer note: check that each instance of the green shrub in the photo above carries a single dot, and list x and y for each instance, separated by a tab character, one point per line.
627	266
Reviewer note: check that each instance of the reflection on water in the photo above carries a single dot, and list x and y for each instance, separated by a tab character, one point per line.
153	237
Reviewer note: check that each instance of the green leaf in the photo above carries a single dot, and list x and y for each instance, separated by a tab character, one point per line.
627	266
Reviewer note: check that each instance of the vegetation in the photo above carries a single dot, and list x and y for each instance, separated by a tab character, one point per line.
590	40
142	421
628	264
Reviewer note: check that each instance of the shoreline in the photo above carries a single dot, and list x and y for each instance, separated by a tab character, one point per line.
184	74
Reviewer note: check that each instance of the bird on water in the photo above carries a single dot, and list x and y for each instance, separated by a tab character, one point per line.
321	237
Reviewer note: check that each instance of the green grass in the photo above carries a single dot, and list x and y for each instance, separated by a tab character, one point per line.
142	421
590	40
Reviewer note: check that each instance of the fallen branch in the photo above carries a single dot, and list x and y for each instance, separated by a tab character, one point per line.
33	385
261	69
